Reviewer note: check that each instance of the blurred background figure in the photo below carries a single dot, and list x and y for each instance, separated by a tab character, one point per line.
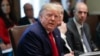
7	20
97	39
65	17
29	15
78	30
63	29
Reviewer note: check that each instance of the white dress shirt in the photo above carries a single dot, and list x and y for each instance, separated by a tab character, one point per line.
66	43
79	31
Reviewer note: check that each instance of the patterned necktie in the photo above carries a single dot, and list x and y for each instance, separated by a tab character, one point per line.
53	44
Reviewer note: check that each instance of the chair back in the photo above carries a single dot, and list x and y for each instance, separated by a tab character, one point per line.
15	34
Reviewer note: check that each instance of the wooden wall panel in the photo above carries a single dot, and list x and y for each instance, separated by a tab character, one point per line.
93	20
16	4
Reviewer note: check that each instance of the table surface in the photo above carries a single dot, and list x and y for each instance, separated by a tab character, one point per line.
97	53
7	50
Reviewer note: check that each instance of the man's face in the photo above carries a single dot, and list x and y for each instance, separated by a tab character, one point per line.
5	6
50	19
61	14
81	14
29	11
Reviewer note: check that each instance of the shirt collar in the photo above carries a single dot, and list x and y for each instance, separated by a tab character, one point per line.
76	23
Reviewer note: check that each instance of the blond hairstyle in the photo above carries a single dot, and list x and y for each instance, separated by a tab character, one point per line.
53	5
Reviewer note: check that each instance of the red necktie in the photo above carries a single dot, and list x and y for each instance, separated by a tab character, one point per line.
53	44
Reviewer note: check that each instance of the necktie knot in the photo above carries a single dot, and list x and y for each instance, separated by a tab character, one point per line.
81	31
50	33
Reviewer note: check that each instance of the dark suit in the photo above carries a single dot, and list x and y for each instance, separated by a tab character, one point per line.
24	21
97	39
75	39
35	42
65	49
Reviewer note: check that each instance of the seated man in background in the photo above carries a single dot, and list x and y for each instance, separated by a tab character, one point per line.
63	29
29	16
97	39
78	31
43	37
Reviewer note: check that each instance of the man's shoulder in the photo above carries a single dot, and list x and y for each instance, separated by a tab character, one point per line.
31	28
23	21
35	27
23	18
86	25
98	27
57	31
70	23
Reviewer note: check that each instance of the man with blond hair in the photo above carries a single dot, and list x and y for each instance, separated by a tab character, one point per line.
43	37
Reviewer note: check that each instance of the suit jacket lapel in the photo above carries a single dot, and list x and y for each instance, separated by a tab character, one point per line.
86	33
75	30
76	37
57	40
42	33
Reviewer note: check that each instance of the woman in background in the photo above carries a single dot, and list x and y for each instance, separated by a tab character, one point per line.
7	20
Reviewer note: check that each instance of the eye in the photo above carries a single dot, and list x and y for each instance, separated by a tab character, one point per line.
49	15
2	5
80	12
56	16
62	12
7	4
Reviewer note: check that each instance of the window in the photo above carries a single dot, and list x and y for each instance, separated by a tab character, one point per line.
36	5
65	4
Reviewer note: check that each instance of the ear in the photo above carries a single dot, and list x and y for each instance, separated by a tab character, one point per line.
40	17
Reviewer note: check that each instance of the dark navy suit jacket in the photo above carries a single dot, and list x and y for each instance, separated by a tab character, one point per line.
35	42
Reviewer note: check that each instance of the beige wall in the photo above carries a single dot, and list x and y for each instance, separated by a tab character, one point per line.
94	6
